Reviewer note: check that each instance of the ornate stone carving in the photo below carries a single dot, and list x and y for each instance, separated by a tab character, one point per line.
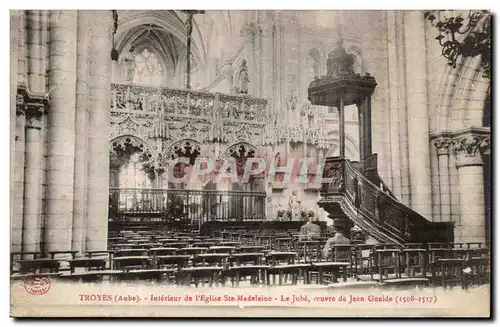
32	105
469	147
20	105
442	145
267	30
34	114
248	30
334	170
185	148
339	62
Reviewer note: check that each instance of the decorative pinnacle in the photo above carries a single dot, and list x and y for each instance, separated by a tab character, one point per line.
339	39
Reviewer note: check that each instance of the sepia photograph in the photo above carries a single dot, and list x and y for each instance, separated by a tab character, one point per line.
250	163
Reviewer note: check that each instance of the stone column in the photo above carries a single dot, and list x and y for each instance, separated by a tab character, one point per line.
21	57
365	128
267	33
341	110
98	141
248	32
469	147
228	72
32	176
81	130
16	128
61	130
442	145
36	55
418	117
402	112
392	58
18	179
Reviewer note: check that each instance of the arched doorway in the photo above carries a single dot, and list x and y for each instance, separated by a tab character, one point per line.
241	173
131	172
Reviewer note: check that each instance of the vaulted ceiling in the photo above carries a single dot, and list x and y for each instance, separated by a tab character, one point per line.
161	30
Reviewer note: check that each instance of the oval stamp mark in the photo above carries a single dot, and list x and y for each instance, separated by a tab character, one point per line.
37	285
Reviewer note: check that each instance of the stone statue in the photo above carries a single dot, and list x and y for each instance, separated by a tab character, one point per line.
241	78
269	201
339	62
129	60
294	206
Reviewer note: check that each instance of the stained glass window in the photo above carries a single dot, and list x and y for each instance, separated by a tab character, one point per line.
148	70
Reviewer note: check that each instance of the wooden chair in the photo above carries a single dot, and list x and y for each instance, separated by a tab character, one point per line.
207	267
22	255
250	249
339	262
192	251
127	263
448	272
222	249
211	259
387	261
230	243
477	269
308	250
200	275
39	265
363	260
178	245
283	244
283	264
243	265
415	261
130	253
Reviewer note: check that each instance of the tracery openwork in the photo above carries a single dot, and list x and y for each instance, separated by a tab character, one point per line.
148	69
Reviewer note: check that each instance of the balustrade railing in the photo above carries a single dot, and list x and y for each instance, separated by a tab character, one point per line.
379	206
192	207
177	102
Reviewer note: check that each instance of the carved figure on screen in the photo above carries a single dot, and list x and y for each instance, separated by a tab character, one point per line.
129	60
241	78
294	205
269	201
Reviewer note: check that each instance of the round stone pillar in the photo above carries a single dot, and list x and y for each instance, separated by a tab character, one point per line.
99	131
81	142
32	178
61	130
268	64
248	33
228	72
418	117
443	150
16	141
469	162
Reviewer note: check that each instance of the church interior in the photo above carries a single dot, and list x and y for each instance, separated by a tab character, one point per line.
263	146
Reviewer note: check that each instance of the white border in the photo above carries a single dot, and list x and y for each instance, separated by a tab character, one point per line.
186	4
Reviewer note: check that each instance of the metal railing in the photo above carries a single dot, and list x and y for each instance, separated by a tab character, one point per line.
192	207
